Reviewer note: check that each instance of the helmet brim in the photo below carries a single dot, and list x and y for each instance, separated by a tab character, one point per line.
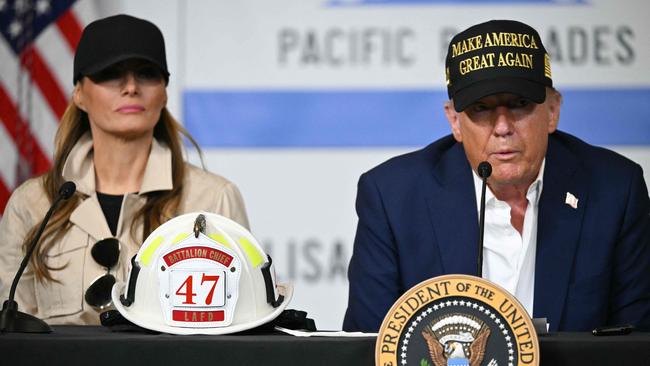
284	289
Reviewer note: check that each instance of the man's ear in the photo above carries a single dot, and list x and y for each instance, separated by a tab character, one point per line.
453	118
78	98
554	101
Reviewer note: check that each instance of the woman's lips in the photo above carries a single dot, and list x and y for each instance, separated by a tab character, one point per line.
130	109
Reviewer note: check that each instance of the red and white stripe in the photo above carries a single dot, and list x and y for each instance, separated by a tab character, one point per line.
27	136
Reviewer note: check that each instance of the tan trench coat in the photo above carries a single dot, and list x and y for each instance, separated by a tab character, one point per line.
63	303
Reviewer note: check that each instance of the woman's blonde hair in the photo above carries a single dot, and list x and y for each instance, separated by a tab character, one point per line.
159	207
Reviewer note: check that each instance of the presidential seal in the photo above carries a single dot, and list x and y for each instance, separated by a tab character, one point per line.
457	320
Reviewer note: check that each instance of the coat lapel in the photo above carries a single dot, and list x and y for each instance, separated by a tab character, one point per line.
89	217
453	211
558	231
79	168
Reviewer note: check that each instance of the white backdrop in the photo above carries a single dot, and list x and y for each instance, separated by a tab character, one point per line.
300	196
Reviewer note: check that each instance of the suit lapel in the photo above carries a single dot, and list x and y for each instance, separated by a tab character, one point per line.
558	231
453	212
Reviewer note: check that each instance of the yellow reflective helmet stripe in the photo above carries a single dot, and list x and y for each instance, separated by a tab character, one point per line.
149	250
180	237
220	239
252	253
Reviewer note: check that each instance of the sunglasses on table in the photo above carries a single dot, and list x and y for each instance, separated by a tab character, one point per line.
106	253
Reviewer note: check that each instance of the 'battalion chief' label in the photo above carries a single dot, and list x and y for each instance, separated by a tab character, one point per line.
457	320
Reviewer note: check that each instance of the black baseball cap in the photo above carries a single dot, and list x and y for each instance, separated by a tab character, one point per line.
499	56
107	41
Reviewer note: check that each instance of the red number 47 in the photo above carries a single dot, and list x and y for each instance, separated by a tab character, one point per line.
189	294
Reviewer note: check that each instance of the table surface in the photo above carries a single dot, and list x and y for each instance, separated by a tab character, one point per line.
71	345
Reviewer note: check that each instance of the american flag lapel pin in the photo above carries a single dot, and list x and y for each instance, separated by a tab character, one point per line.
571	200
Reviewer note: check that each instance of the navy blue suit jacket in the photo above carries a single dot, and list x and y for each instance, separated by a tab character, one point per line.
418	219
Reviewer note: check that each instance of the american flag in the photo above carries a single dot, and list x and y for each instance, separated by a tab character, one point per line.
37	43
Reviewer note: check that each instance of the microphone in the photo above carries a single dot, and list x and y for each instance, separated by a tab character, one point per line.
484	171
12	320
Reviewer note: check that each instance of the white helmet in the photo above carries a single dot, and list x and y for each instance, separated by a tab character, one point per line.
201	273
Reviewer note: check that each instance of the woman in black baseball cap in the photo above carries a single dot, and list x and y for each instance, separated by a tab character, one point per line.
120	145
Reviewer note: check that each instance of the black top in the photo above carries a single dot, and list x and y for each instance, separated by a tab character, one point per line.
111	205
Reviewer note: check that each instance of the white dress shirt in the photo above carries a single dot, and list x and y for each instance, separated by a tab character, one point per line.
508	257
